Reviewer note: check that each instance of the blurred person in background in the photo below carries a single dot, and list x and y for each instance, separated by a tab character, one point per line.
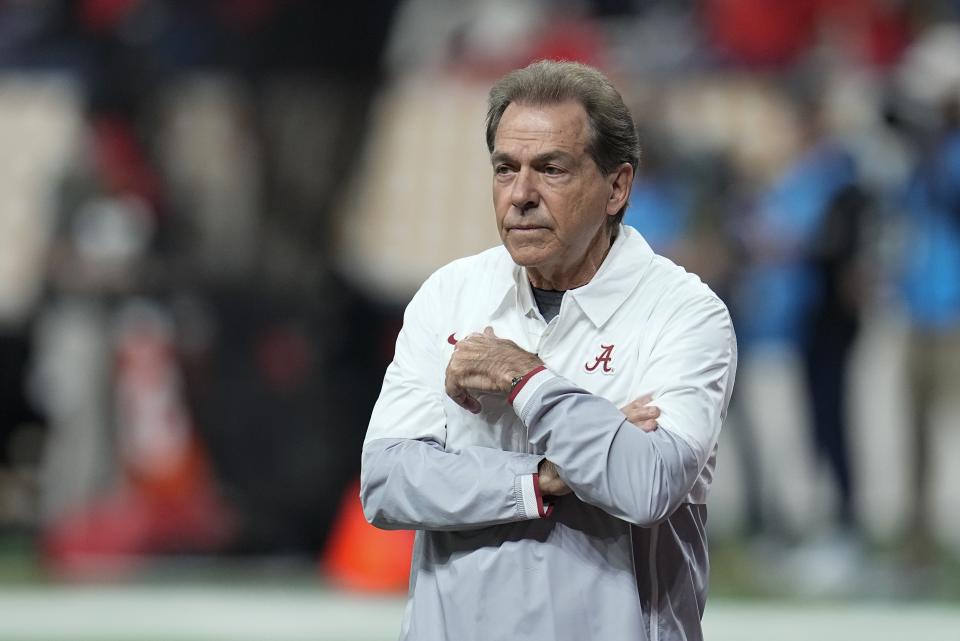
824	183
798	288
930	281
540	510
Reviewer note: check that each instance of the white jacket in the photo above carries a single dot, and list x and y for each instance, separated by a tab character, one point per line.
625	556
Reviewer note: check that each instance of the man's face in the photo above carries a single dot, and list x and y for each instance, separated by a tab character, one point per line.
552	202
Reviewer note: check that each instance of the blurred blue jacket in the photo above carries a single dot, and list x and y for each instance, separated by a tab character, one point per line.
660	210
779	286
930	267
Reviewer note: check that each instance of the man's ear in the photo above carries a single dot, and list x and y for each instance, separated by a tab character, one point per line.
622	181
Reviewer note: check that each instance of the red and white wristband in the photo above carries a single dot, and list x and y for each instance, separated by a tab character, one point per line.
526	389
519	382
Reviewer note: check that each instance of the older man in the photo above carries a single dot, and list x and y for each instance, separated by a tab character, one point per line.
542	511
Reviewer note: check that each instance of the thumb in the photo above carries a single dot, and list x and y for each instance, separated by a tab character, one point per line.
488	331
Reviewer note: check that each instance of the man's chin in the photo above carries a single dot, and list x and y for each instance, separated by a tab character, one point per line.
526	256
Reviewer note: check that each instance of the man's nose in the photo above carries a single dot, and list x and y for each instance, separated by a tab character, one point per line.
525	195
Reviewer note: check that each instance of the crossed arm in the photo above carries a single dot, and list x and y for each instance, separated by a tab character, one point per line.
486	363
592	448
412	483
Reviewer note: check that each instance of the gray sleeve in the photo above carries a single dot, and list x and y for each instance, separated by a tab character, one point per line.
637	476
415	484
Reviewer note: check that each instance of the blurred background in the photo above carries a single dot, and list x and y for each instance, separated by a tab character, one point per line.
212	214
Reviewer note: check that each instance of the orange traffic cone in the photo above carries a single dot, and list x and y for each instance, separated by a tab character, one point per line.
361	557
165	499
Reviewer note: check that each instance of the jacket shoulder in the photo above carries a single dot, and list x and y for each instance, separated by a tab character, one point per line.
680	288
462	287
490	266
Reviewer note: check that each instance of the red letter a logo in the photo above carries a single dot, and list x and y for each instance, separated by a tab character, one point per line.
604	358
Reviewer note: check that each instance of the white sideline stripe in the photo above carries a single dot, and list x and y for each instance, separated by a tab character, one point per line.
195	614
876	621
240	614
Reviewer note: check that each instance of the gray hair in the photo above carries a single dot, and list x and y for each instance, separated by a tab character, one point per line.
613	138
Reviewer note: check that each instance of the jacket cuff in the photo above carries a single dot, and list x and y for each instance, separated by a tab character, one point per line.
523	395
529	497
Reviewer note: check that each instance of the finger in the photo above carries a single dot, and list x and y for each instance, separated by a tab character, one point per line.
466	401
648	425
471	404
637	417
488	331
455	390
641	402
557	488
633	410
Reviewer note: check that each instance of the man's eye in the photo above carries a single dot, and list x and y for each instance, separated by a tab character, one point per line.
501	170
553	170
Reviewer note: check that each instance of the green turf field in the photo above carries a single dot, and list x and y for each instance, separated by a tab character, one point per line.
221	613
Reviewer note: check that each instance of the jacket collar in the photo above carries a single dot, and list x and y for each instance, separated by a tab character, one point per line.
619	274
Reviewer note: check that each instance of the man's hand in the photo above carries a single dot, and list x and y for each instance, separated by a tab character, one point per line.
639	412
550	482
485	363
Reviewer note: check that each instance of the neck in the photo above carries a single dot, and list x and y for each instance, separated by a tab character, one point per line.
577	274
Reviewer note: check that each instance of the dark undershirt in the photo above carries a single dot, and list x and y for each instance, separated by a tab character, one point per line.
548	302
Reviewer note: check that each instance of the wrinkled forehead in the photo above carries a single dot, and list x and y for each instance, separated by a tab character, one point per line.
563	124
